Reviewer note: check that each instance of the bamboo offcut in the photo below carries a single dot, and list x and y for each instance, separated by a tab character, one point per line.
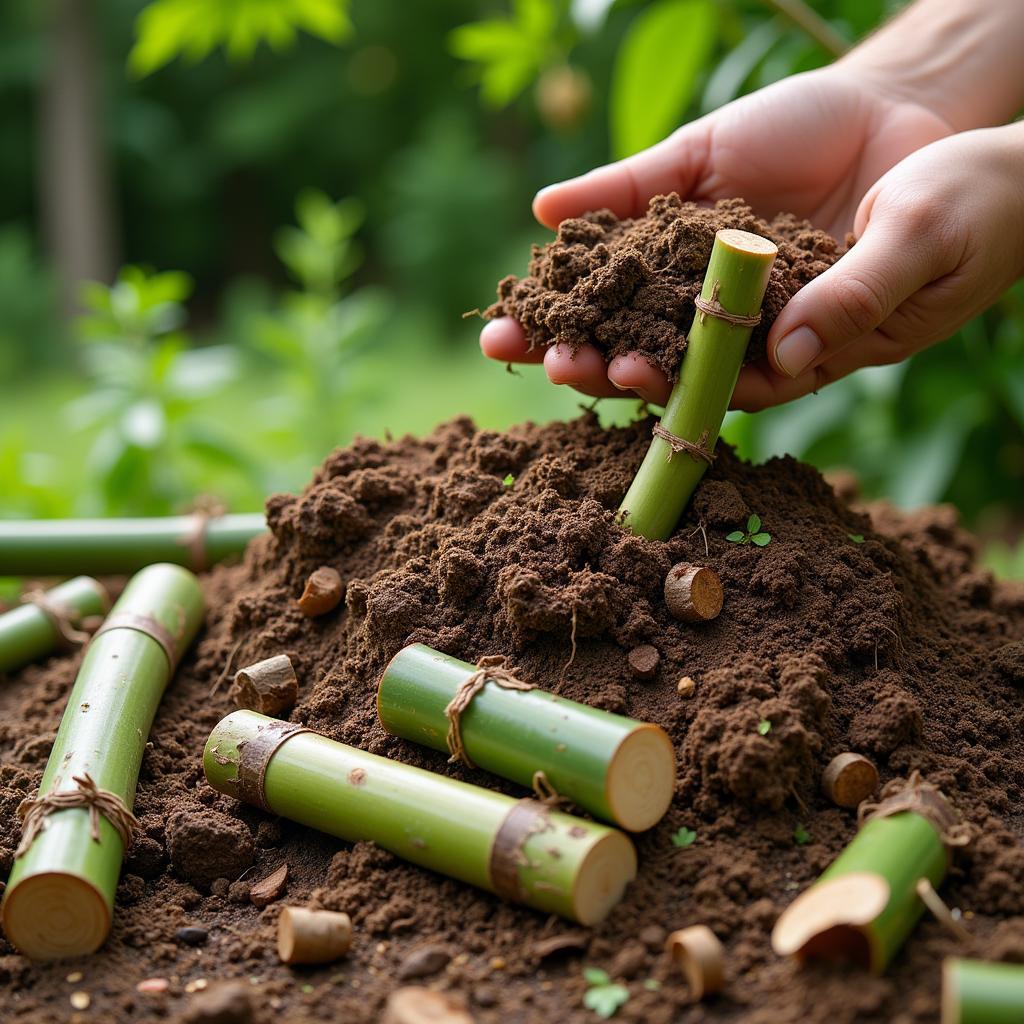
615	767
60	893
59	547
979	992
48	620
520	850
734	288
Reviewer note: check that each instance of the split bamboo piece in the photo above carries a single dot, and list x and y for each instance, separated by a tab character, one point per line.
60	893
978	992
701	957
50	619
269	686
616	768
521	850
866	903
59	547
734	288
306	936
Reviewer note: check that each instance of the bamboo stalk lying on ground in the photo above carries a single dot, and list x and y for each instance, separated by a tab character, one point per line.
866	903
977	992
60	893
684	443
519	849
617	768
60	547
50	619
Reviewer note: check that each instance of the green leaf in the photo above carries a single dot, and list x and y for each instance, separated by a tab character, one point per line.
595	976
605	1000
801	835
684	837
656	71
754	523
764	727
509	480
762	540
736	537
857	538
652	984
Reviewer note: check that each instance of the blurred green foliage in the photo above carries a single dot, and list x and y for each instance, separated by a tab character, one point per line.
437	122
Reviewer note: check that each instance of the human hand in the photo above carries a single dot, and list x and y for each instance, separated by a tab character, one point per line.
812	145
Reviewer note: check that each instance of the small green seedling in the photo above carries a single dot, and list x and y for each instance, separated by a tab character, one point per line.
857	538
508	481
684	837
603	996
764	727
754	534
801	835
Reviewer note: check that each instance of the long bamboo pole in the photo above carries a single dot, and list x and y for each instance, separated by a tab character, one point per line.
616	768
60	894
59	547
978	992
48	620
521	850
734	287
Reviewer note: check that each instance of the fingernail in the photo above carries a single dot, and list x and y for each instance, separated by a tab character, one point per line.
616	384
798	350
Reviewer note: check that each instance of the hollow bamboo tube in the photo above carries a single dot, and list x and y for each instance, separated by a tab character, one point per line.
616	768
736	278
978	992
59	547
30	631
866	903
60	894
519	849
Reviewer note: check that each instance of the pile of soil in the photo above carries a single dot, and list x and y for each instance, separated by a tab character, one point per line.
896	646
629	285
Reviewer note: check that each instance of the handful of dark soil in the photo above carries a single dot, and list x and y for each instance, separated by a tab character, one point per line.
629	285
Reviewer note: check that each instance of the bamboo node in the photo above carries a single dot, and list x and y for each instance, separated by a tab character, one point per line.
66	621
194	542
254	758
490	668
34	812
920	797
677	445
525	819
147	626
713	308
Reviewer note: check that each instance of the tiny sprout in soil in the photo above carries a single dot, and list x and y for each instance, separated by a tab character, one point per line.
652	984
801	835
603	996
684	837
753	535
509	480
857	538
764	727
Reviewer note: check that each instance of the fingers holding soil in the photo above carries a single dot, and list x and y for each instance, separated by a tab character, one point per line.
632	372
503	339
584	370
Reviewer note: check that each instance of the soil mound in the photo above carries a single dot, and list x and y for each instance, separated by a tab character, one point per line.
629	285
848	631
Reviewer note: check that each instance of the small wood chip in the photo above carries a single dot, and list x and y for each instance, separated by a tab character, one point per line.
424	961
153	986
416	1005
849	779
644	661
74	977
269	686
268	889
701	958
686	687
555	944
80	1000
323	592
693	593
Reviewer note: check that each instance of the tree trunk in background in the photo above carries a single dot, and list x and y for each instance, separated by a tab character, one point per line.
74	169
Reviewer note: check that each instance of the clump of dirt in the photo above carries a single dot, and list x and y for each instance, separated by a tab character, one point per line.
628	285
897	647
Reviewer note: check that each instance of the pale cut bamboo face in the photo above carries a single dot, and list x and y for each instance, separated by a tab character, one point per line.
747	243
52	916
641	777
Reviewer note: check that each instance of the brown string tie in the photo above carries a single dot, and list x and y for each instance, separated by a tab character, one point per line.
194	541
490	668
525	819
713	308
919	797
35	811
676	445
64	620
254	756
146	625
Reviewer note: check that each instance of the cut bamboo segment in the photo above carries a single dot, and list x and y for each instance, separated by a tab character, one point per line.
701	958
684	442
60	547
693	593
269	686
47	620
521	850
849	779
616	768
306	936
60	893
978	992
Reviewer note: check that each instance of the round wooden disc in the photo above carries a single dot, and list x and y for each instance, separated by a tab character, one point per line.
54	915
607	868
849	778
641	778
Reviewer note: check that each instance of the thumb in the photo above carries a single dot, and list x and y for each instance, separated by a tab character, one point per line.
893	259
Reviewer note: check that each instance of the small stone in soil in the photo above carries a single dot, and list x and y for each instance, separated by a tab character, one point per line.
415	1005
80	1000
686	686
644	661
653	937
191	936
422	962
153	986
238	892
225	1004
322	593
74	977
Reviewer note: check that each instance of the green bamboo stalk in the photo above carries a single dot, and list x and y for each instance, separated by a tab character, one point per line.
866	903
569	866
59	547
736	277
28	632
60	893
977	992
616	768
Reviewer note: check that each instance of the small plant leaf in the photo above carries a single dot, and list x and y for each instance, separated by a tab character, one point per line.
684	837
801	835
764	727
652	984
762	540
595	976
605	1000
737	537
857	538
754	523
509	480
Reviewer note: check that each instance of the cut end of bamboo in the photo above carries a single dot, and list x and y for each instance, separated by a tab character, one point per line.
607	868
52	915
306	936
700	956
693	593
951	992
849	779
641	778
830	920
746	243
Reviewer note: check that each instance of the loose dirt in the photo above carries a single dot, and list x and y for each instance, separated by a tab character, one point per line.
896	647
629	285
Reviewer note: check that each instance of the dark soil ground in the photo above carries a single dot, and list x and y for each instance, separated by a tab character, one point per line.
897	647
